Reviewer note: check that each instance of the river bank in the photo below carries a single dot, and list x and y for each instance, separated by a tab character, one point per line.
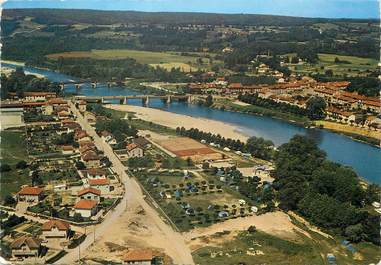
355	133
174	120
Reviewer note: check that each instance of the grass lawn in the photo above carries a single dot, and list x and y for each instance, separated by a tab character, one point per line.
13	149
355	64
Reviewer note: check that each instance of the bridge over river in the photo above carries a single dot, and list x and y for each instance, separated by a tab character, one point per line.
124	99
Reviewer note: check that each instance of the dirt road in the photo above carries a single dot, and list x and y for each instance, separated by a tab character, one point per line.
163	236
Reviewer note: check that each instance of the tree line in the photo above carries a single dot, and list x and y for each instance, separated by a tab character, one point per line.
256	146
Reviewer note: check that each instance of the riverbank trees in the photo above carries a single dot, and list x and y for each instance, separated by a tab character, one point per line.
18	82
326	193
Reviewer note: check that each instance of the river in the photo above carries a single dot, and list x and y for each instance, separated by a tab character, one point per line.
363	158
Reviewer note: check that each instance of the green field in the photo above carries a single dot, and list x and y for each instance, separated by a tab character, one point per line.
13	149
167	60
351	65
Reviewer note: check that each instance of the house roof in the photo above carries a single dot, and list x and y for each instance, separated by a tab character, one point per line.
131	146
89	190
99	182
139	255
67	147
90	155
85	204
60	225
96	171
141	141
30	191
31	242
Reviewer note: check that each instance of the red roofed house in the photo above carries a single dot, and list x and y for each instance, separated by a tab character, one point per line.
26	246
86	208
30	194
90	194
56	229
139	256
81	136
100	184
91	159
133	150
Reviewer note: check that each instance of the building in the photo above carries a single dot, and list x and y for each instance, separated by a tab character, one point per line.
91	159
134	150
142	142
67	149
100	184
96	173
86	208
55	229
108	137
82	106
30	194
139	257
47	109
81	136
26	246
90	194
38	96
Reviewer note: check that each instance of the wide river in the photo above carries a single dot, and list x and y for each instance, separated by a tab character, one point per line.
363	158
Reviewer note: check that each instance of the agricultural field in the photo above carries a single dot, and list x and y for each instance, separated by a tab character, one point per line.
167	60
349	65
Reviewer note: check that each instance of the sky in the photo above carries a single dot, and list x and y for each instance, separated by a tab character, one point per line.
300	8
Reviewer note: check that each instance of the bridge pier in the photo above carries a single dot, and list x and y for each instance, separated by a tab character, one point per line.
77	86
169	100
94	85
189	99
102	100
108	84
62	86
145	101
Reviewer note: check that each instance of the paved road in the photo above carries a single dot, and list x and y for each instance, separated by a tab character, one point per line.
180	252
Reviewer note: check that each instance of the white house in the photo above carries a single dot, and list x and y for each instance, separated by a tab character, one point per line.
55	229
30	194
86	208
134	150
89	194
101	184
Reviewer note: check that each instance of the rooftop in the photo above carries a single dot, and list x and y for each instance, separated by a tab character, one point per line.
139	255
85	204
89	190
30	191
60	225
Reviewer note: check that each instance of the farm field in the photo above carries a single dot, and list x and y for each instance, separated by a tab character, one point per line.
166	60
350	65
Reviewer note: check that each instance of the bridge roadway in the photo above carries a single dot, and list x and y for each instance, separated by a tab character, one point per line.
124	99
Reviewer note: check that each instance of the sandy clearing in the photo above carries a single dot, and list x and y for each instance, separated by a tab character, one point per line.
238	102
174	120
275	223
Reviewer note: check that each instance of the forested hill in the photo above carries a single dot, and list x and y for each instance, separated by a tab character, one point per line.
71	16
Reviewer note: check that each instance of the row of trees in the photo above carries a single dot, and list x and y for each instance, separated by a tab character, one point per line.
258	147
326	193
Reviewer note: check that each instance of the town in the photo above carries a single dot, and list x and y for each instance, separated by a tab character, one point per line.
188	138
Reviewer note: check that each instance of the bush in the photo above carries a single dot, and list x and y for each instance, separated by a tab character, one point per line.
22	164
5	168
